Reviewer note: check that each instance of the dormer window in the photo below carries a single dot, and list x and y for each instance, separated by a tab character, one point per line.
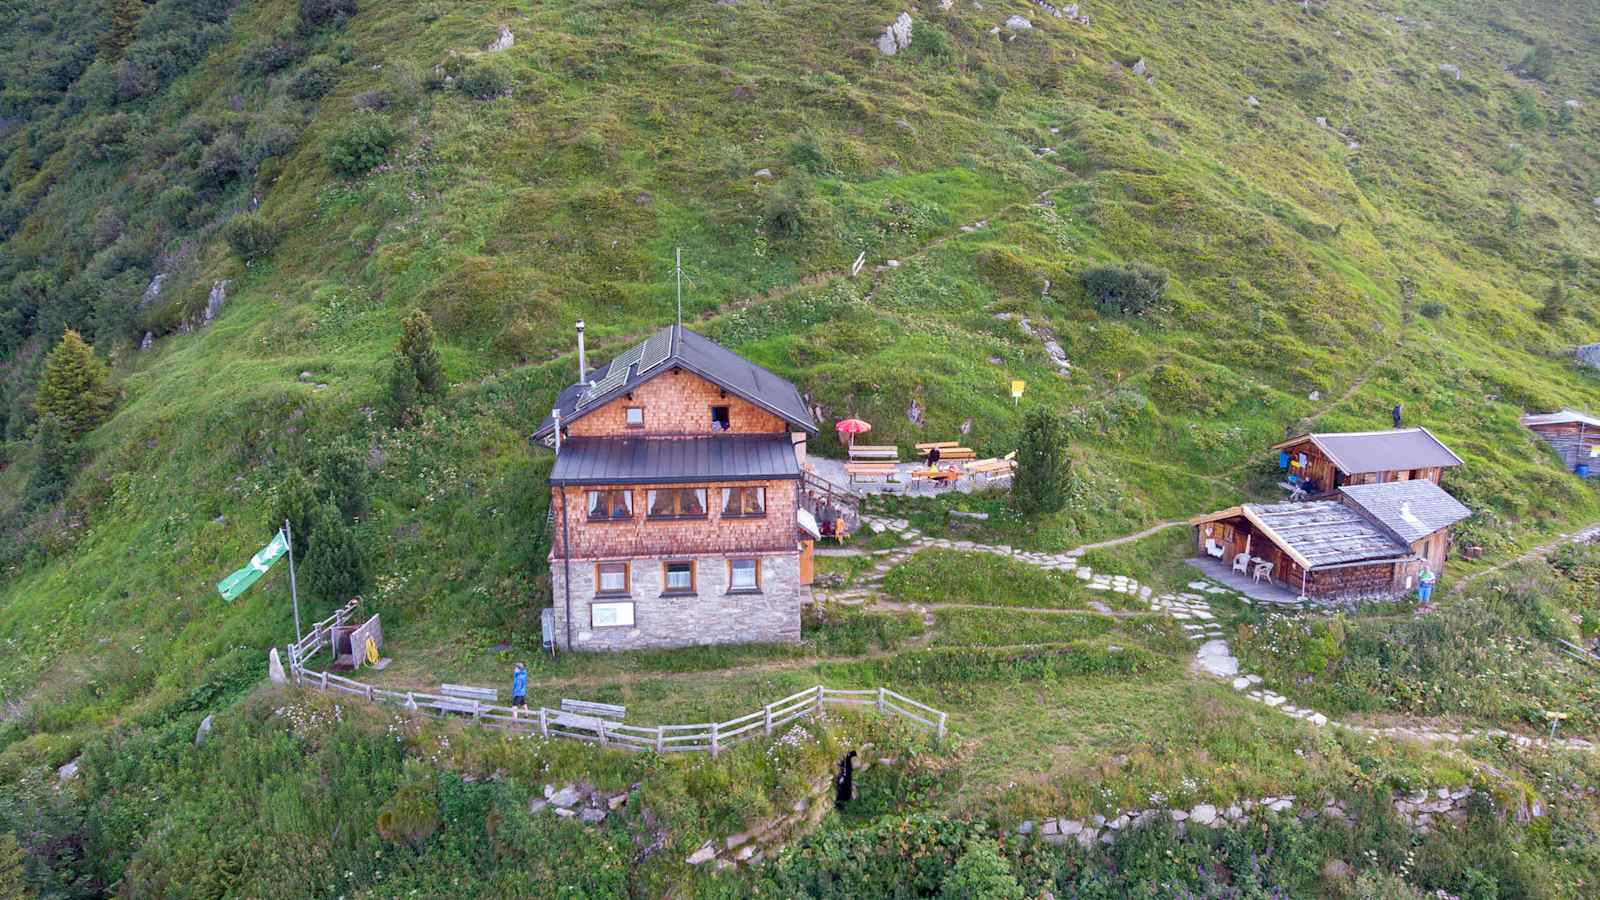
720	418
635	417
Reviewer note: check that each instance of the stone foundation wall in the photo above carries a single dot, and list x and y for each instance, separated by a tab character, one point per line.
709	616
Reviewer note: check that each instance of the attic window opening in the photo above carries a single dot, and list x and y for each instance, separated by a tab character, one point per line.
635	417
720	418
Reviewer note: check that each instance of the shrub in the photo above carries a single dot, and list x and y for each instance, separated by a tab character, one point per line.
358	145
314	79
251	236
1040	485
267	55
176	203
1555	306
342	479
483	79
1176	388
318	14
1539	62
221	163
787	212
1130	290
75	387
930	45
294	501
981	872
335	568
57	456
108	137
1431	309
414	369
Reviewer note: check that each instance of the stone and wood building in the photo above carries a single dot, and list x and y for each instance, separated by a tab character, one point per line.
1321	463
1573	435
1372	541
677	500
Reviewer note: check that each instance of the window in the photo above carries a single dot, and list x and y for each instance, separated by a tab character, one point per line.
611	578
744	575
678	503
635	416
610	615
719	418
744	501
678	577
607	505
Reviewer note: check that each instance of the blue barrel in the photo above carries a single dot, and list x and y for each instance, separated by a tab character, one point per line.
1582	471
1283	459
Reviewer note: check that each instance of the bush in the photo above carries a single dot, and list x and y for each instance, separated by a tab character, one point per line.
358	145
294	501
414	370
788	211
176	203
56	457
342	479
1431	309
335	567
221	163
981	874
267	55
483	79
318	14
1539	62
314	79
1175	388
1040	485
251	236
1130	290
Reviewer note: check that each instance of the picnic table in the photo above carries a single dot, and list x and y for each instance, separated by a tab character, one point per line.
947	450
992	468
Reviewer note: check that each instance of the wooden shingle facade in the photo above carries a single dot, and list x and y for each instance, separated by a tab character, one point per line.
676	500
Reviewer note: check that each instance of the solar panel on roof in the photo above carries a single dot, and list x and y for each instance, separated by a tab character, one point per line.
616	374
655	350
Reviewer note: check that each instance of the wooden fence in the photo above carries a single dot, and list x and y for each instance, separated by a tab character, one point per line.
705	736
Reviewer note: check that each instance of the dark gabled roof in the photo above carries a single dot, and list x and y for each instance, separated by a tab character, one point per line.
1412	509
1323	533
675	460
1359	452
677	347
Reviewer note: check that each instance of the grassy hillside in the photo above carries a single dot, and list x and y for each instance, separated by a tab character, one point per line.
1400	253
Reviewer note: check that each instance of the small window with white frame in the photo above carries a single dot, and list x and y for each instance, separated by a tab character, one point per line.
744	575
634	417
744	502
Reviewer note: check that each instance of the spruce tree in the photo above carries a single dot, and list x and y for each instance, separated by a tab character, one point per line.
296	503
335	569
1555	304
56	457
342	479
75	386
1040	485
125	15
416	345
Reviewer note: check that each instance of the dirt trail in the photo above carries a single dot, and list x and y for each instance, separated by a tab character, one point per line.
1583	535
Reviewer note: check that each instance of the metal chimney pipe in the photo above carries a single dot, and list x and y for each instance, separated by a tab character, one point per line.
583	362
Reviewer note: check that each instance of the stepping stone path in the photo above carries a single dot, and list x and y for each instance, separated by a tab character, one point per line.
1191	608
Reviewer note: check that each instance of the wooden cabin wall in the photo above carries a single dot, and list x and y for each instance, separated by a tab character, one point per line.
1373	579
1319	468
1432	549
1571	444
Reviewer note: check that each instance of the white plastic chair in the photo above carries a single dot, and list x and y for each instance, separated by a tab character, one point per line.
1241	562
1213	548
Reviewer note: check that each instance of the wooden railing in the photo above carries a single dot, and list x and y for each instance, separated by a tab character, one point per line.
828	492
713	737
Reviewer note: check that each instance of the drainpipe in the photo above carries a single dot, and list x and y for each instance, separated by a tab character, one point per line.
566	542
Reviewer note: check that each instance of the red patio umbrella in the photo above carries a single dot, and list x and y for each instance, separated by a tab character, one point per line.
852	427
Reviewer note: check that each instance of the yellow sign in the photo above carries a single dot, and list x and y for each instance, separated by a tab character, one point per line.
1016	389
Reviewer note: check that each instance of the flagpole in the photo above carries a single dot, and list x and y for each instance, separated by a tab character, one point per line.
294	594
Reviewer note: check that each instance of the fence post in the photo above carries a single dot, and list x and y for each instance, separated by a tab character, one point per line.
544	724
819	699
880	701
324	679
661	739
477	710
941	725
714	746
369	693
768	709
603	741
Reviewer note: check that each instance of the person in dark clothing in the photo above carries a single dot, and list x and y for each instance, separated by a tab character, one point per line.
844	788
933	457
1396	413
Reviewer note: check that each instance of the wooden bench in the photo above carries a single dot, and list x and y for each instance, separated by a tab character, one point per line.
957	453
940	444
991	467
596	710
468	692
869	471
875	451
446	704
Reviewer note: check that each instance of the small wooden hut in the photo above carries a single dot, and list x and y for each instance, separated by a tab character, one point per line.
1574	435
1324	462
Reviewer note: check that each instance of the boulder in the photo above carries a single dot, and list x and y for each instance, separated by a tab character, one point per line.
1451	69
215	299
1139	68
592	816
567	796
203	732
704	854
764	173
504	42
68	771
1204	814
275	667
1018	23
1252	100
896	37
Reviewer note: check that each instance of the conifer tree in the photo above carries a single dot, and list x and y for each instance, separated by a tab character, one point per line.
1555	304
416	345
1040	485
75	386
342	479
335	569
295	503
125	16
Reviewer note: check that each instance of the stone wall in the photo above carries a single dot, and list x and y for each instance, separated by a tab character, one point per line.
675	402
710	615
641	535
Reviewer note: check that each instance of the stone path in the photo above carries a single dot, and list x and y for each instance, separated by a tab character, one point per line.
1191	608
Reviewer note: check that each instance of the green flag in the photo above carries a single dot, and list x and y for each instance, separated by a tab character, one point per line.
240	581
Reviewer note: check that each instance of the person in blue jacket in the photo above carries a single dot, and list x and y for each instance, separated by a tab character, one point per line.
519	686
